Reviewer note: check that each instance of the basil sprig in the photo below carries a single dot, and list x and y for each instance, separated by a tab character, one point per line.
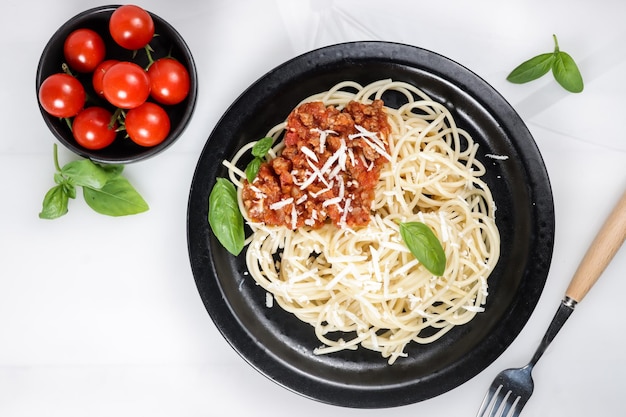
105	190
224	216
425	246
563	68
259	150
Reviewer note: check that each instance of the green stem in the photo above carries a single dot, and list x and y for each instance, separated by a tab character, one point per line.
68	122
56	158
117	116
66	69
149	51
556	44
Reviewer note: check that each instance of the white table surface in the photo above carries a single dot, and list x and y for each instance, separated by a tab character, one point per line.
100	316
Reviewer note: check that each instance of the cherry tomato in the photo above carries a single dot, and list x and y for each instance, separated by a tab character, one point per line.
126	85
131	27
98	75
91	128
148	124
169	81
83	49
62	95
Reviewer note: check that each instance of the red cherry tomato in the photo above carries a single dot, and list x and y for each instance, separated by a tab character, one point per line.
62	95
98	75
91	128
83	49
169	81
131	27
147	125
126	85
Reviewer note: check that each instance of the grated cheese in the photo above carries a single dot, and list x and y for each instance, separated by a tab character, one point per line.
269	300
294	216
351	156
282	203
323	135
309	153
331	201
500	157
346	210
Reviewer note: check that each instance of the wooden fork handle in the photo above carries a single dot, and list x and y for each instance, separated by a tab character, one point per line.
600	253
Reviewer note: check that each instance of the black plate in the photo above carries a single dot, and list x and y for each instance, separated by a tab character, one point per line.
280	346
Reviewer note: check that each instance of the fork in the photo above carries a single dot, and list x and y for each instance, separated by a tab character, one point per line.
511	388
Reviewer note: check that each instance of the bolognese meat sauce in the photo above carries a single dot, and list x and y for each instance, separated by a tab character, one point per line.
327	170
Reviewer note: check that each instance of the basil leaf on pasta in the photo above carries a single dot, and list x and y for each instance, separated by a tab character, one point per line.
259	150
424	245
224	216
262	147
252	169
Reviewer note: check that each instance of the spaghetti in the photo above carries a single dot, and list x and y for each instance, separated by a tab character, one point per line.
360	285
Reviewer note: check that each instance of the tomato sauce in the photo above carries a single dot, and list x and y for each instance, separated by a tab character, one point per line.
326	172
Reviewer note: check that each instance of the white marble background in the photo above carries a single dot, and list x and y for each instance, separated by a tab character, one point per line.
100	316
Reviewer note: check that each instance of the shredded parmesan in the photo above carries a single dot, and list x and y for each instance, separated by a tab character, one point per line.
309	153
323	135
294	216
269	300
331	201
500	157
282	203
302	199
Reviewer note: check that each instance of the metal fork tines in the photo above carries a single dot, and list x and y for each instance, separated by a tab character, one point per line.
511	388
508	393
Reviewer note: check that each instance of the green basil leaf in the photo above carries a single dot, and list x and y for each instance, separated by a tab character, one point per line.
532	69
69	189
54	203
224	216
253	169
566	73
116	198
58	178
261	148
425	246
85	173
112	170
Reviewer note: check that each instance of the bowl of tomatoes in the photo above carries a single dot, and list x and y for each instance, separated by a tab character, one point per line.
116	84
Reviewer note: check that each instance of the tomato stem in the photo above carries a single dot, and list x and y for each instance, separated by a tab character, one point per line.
66	69
118	116
149	51
68	122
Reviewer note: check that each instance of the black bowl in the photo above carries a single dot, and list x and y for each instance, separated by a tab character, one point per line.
168	42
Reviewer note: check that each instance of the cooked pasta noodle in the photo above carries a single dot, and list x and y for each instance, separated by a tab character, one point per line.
362	286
